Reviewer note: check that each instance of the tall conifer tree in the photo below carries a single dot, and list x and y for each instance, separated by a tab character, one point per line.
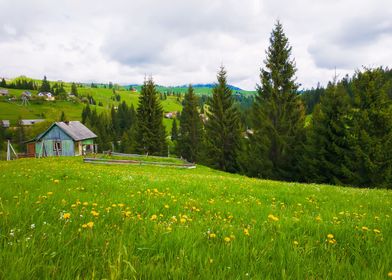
223	133
191	128
327	153
371	130
45	86
278	116
150	132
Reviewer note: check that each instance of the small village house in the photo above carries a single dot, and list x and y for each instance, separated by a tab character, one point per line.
4	92
47	95
30	122
5	123
63	139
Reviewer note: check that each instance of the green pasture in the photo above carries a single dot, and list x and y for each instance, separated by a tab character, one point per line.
63	219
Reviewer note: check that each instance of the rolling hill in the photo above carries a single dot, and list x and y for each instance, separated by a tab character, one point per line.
61	218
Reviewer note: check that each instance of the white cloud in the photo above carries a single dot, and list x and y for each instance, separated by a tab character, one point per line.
180	42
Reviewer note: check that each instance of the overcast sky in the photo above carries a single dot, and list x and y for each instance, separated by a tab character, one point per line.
185	41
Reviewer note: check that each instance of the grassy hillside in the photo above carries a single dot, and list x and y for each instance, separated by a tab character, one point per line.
51	110
60	218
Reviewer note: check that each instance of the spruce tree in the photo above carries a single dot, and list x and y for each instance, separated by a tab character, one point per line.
174	131
150	132
328	150
278	113
74	89
371	130
191	128
3	83
223	132
45	86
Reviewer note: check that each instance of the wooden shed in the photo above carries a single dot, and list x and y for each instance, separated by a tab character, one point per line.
63	139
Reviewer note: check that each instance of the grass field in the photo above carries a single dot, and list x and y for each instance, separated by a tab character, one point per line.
51	110
60	218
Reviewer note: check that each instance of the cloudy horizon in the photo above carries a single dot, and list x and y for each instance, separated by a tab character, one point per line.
180	42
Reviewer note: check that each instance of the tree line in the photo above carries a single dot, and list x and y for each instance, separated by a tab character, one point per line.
347	141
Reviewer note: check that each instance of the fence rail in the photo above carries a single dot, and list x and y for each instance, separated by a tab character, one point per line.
138	162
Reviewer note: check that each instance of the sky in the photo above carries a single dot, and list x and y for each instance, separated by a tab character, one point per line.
186	41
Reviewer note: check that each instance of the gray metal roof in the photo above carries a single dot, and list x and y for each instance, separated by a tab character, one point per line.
76	130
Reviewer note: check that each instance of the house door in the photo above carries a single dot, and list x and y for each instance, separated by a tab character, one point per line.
31	149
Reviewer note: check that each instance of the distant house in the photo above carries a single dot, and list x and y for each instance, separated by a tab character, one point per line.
47	95
4	92
26	94
63	139
170	115
5	123
30	122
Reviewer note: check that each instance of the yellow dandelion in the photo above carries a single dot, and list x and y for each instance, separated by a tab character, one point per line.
66	216
332	241
182	220
227	239
84	226
246	231
95	213
318	219
376	231
167	206
153	217
210	260
212	235
330	236
121	205
295	242
90	224
56	181
173	219
390	274
85	203
95	204
49	193
127	214
365	228
273	218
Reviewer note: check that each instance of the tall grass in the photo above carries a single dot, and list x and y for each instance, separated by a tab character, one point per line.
60	218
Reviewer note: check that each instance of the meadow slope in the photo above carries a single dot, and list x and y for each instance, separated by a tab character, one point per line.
63	219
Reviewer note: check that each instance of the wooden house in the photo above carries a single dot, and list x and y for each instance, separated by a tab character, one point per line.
5	123
30	122
63	139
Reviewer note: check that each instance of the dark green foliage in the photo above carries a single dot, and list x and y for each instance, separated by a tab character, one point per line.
191	128
3	83
74	89
223	132
45	86
312	97
174	131
278	114
150	132
371	130
63	117
328	149
86	112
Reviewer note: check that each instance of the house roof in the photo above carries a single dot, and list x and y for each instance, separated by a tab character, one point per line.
5	122
74	129
30	122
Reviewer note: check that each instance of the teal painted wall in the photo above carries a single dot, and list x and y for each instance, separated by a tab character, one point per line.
67	148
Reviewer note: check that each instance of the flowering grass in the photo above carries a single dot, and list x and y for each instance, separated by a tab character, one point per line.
62	219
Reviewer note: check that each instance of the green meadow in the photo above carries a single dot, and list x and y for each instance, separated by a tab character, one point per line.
51	110
61	218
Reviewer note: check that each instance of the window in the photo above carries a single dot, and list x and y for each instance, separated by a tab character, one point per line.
57	146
